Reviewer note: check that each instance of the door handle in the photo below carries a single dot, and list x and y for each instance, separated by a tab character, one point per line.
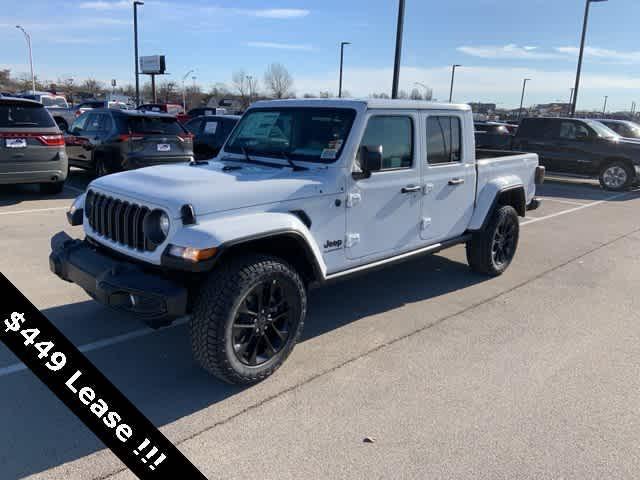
411	189
456	181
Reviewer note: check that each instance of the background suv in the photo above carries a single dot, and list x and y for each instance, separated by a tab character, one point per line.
581	147
210	134
31	146
107	140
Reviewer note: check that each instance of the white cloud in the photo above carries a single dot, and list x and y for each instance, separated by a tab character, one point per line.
603	54
103	5
277	13
280	46
510	51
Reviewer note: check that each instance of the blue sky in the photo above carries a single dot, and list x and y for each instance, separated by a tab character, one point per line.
498	43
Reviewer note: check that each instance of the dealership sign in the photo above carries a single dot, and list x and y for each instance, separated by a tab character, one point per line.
154	64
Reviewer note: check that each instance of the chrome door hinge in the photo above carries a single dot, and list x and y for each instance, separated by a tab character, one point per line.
352	239
353	199
428	188
425	224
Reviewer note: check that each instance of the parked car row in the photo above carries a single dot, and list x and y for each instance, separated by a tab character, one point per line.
608	150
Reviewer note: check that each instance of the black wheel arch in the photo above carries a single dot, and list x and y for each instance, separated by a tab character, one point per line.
289	245
513	196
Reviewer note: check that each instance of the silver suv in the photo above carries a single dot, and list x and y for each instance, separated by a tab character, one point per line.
32	149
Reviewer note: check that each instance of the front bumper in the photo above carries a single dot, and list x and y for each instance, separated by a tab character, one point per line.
118	284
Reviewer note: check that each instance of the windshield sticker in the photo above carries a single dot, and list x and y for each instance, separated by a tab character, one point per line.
329	154
335	144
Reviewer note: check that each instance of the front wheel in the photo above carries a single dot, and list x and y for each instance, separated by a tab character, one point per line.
247	317
52	188
491	250
616	176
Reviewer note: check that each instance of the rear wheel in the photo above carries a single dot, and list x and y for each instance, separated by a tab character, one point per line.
247	317
491	250
52	188
616	176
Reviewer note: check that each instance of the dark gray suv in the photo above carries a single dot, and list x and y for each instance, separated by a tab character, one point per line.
32	148
108	141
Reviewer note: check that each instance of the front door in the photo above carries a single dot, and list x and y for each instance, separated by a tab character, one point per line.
449	176
575	145
383	210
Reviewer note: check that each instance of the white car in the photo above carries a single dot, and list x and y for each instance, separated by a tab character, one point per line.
303	192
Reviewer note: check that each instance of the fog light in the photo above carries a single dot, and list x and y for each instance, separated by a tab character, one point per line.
192	254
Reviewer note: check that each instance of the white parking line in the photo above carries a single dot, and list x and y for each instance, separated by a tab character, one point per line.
106	342
568	202
35	210
571	210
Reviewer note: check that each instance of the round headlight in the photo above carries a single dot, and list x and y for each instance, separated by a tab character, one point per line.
164	224
156	226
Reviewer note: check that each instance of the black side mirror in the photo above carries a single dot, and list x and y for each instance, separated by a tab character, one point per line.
370	159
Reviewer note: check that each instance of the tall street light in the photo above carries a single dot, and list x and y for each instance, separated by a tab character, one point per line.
184	93
584	35
28	38
604	107
342	44
524	85
570	101
396	65
135	42
453	76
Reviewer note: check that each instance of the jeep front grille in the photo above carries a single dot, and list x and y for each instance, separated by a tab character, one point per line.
118	220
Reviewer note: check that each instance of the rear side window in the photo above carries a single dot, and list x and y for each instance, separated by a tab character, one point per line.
24	115
194	126
537	128
443	140
160	126
395	134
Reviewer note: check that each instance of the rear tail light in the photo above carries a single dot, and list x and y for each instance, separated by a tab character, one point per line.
46	139
131	136
78	113
187	137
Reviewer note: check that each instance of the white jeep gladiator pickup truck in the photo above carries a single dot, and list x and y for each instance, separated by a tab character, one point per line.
303	192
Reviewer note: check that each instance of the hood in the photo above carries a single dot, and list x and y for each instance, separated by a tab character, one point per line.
210	189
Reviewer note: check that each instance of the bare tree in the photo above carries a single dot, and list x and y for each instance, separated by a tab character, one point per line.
415	94
379	95
278	80
92	86
403	94
242	84
308	95
168	91
325	94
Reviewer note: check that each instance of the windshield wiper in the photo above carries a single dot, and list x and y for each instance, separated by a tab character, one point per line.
248	159
296	168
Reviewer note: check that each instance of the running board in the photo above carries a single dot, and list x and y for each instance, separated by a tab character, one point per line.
435	248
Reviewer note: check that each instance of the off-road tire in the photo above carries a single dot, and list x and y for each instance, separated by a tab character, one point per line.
52	188
629	171
480	249
215	307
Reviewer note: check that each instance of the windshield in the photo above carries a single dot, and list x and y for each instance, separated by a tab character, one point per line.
602	130
306	134
54	102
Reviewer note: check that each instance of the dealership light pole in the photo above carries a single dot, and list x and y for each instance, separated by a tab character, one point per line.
579	70
184	94
135	43
570	101
396	65
524	86
453	76
342	44
604	107
28	38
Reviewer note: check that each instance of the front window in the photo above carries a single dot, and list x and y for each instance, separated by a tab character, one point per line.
305	134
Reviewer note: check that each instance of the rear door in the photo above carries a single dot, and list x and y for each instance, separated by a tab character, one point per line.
538	135
78	146
449	175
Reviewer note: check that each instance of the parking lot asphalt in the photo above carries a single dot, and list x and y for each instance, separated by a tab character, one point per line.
530	375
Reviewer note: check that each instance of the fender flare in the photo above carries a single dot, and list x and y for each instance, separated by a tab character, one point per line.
494	191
